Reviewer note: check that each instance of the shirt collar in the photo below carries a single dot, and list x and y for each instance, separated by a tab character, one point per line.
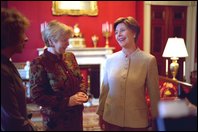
132	54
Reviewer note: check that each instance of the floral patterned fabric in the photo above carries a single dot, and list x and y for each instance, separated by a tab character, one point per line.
168	90
53	79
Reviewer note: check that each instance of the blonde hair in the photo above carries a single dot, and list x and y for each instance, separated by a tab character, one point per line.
55	30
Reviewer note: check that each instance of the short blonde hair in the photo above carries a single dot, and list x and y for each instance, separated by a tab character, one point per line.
55	30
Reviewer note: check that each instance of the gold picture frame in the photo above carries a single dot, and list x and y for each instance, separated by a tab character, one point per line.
75	8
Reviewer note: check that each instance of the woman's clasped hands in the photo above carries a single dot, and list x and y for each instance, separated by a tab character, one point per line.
78	99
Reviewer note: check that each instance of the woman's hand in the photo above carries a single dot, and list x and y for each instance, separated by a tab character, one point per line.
78	99
83	97
34	127
101	122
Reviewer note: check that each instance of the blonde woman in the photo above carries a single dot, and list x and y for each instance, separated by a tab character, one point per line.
56	82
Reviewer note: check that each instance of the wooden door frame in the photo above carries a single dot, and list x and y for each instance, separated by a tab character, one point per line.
190	29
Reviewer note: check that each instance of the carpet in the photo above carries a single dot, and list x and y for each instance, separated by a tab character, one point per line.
90	118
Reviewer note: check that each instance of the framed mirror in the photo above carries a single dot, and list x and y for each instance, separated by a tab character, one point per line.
75	8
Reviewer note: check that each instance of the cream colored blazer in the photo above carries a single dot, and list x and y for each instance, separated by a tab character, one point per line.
122	99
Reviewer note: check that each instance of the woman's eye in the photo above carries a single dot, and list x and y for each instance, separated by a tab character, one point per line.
120	31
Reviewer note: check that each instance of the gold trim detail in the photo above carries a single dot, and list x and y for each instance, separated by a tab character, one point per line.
91	9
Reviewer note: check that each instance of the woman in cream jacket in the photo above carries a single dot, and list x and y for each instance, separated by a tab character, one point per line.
129	75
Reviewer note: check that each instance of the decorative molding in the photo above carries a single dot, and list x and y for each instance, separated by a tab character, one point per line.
174	3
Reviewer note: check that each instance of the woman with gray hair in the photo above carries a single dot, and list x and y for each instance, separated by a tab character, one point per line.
56	83
128	75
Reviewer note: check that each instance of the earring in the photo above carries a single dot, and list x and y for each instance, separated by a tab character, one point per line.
134	36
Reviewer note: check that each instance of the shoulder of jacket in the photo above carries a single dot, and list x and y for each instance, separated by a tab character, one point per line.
4	69
68	54
146	55
114	55
39	60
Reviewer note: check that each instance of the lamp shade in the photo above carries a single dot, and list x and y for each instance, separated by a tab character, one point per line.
175	48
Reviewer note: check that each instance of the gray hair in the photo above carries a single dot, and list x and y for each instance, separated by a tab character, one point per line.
55	30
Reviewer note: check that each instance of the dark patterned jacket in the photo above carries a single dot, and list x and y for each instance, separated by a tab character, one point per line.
53	79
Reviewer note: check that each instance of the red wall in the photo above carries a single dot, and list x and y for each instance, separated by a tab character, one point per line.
40	11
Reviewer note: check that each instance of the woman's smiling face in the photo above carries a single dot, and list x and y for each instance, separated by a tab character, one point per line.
124	35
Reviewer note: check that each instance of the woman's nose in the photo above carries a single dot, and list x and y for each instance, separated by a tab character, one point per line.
118	34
